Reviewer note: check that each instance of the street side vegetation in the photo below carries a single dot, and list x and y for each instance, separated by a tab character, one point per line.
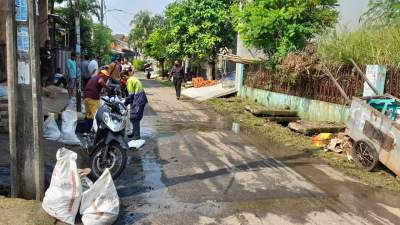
283	136
96	39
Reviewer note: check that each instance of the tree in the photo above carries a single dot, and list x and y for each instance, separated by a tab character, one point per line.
88	9
278	27
156	45
102	40
142	27
382	12
199	28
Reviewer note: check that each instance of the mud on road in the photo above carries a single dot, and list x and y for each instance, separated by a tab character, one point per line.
194	169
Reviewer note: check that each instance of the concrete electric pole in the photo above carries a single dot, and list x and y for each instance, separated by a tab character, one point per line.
25	107
102	8
78	54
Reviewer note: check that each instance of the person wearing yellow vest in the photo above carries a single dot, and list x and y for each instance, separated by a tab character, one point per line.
137	100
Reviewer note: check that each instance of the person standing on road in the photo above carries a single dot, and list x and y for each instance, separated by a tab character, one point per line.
137	99
85	71
178	74
46	64
71	74
92	93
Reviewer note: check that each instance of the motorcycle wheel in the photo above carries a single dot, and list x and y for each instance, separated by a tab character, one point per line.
115	161
148	75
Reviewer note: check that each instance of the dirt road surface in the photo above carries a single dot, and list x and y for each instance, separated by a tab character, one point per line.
195	170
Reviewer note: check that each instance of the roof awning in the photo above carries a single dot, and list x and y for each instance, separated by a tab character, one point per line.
238	59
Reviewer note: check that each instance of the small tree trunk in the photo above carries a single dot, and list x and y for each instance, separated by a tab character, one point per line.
162	68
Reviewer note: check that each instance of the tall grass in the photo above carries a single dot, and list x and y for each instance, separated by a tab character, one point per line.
367	45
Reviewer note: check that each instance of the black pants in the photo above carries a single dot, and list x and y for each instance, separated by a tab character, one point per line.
135	130
178	86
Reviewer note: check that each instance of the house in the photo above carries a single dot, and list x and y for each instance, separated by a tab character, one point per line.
121	46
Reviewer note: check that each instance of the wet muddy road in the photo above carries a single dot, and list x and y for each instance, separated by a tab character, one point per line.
195	170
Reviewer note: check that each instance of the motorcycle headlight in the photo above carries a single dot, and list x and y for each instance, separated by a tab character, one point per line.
114	122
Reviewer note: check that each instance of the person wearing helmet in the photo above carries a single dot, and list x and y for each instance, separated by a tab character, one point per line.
93	90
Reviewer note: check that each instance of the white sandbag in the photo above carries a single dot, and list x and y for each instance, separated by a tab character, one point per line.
100	204
136	143
50	128
63	197
68	127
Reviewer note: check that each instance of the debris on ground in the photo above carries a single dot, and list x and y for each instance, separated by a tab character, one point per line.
321	140
260	111
136	144
188	84
340	143
311	128
201	82
273	115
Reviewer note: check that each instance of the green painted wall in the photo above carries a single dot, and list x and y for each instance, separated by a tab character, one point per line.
307	109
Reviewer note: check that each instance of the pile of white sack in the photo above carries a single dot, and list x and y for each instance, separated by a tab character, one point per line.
67	134
70	192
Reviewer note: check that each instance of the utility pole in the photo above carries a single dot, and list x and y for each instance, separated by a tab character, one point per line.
102	12
25	108
78	54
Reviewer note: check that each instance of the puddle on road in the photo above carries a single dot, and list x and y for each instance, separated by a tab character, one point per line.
236	128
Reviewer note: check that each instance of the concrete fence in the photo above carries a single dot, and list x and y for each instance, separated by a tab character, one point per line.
307	109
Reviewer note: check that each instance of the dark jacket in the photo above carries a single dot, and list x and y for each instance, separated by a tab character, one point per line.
177	72
137	101
46	58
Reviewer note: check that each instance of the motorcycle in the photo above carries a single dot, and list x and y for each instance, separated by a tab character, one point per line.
106	144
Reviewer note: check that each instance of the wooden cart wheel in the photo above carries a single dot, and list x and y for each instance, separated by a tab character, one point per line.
365	155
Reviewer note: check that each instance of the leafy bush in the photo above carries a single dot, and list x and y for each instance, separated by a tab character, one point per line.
367	45
279	27
138	64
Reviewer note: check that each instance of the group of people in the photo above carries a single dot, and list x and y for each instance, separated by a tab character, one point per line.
119	76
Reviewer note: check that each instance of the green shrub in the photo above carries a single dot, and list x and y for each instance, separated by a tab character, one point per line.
367	45
138	64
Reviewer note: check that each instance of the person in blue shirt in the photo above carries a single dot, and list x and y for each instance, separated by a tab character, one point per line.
71	74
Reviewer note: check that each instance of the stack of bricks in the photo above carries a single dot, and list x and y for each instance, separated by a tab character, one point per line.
3	114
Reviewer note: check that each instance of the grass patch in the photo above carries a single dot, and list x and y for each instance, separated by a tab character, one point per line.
370	44
165	83
235	108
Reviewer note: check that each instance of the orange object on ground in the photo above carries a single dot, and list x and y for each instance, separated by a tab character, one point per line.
201	82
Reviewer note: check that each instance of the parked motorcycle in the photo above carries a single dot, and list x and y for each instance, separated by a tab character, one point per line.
106	144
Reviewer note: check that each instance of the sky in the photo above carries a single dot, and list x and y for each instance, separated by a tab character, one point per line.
119	21
351	10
